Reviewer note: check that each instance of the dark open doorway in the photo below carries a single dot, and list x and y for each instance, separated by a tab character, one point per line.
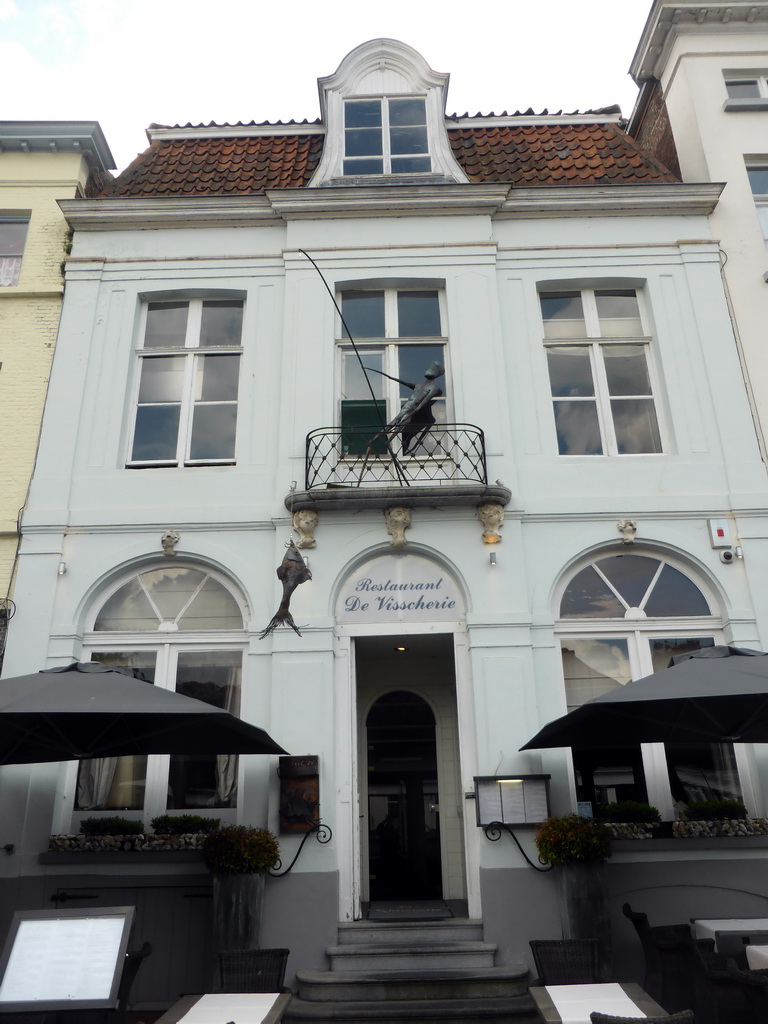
403	802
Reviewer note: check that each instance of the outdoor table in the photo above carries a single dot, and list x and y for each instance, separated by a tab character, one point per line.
572	1004
731	935
240	1007
757	957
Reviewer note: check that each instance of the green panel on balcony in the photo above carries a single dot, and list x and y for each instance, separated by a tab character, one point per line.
360	423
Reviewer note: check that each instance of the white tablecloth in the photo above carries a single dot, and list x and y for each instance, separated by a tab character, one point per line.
708	929
574	1003
757	957
242	1008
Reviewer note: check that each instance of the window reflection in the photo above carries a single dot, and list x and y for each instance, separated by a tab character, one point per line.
639	581
206	780
593	666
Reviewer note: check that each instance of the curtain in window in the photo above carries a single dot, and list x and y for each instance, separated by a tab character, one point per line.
226	764
94	782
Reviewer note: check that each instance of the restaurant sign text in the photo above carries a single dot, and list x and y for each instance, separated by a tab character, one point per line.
399	588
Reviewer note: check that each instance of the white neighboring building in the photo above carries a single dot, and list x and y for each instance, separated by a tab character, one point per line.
703	73
204	386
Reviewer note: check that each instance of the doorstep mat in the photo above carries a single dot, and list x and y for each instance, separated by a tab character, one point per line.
408	910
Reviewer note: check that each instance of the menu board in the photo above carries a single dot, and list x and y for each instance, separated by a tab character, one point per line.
64	959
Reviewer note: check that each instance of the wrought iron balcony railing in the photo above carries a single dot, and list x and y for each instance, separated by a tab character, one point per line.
446	453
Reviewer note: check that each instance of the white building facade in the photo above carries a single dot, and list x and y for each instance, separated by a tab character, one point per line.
592	456
703	74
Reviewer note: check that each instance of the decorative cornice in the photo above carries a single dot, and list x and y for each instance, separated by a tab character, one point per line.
166	212
387	200
231	131
519	120
612	200
670	18
496	199
85	138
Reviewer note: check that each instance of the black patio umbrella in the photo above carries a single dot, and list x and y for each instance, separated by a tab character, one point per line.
91	710
707	696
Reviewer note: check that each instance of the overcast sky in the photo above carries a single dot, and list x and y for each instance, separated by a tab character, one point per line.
129	63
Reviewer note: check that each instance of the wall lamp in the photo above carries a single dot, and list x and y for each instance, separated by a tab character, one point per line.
62	568
492	558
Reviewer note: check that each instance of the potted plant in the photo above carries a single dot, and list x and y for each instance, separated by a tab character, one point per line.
239	857
630	819
577	847
183	824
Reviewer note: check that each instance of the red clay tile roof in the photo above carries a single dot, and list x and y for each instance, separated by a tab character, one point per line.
525	155
219	166
554	154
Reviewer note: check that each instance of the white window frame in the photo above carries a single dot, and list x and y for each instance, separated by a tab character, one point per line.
760	198
758	102
167	642
386	138
594	342
639	632
158	765
761	82
192	352
640	662
390	342
10	263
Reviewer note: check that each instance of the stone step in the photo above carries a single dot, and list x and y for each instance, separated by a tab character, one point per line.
513	1010
417	957
410	932
384	986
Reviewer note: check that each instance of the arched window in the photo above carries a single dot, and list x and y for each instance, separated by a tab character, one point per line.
622	617
178	627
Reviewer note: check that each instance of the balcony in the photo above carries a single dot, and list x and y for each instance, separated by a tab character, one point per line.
351	468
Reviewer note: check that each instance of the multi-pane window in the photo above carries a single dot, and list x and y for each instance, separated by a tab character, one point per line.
399	335
13	234
599	372
758	182
615	626
386	136
186	408
183	625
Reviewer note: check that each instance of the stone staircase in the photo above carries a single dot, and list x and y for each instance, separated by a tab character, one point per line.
441	972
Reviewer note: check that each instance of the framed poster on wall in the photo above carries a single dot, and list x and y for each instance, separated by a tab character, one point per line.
64	959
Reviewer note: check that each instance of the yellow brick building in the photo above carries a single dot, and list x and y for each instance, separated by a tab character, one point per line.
40	163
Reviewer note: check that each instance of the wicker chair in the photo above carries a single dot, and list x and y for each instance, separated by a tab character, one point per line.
566	961
726	994
252	970
684	1017
668	952
133	961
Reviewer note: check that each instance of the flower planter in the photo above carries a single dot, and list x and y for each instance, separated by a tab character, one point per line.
119	843
238	902
725	827
584	909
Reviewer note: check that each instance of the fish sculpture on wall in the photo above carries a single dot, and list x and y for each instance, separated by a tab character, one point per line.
291	572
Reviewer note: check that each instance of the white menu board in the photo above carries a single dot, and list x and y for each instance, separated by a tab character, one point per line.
64	959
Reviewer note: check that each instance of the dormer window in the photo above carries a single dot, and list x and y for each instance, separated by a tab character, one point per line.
384	116
386	136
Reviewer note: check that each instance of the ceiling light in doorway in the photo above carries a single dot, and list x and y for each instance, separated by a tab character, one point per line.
401	648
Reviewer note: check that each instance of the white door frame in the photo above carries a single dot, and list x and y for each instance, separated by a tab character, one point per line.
348	814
